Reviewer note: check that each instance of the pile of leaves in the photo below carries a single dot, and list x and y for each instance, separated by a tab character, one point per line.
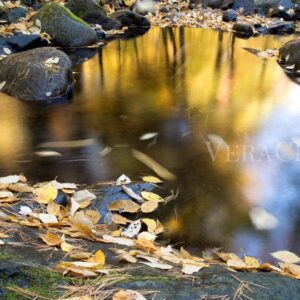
61	210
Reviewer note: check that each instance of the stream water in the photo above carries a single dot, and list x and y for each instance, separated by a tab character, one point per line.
228	126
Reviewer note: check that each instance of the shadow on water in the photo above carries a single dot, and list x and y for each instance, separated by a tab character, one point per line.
219	112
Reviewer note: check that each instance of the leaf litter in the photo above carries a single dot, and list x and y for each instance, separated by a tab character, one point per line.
56	222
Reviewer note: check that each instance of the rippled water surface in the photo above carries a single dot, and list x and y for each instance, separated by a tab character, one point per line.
228	126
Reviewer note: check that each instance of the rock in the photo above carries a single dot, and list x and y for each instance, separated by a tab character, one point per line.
65	29
15	14
282	14
297	12
143	7
130	19
282	28
230	15
246	5
286	4
91	12
31	77
289	56
220	4
243	29
21	42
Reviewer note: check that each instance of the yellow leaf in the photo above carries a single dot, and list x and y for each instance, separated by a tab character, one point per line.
51	239
93	215
145	245
100	257
251	262
128	295
20	188
66	247
159	227
151	224
147	236
149	206
286	256
47	218
3	235
120	220
53	209
151	179
46	194
151	196
124	206
80	255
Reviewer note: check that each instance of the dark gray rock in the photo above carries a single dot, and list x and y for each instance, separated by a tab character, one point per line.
65	29
247	6
289	55
283	14
91	12
243	29
21	42
131	19
221	4
282	28
230	15
297	12
29	76
15	14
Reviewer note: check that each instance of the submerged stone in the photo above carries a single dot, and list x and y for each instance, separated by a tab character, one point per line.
130	19
230	15
243	29
41	74
65	29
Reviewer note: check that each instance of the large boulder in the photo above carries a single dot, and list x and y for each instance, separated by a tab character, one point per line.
64	28
36	75
91	12
289	56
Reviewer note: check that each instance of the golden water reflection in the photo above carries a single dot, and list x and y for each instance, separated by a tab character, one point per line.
194	87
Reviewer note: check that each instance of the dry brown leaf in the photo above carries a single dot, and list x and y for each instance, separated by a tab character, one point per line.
6	194
125	256
20	187
120	220
3	235
159	227
236	263
118	240
48	219
145	245
66	247
147	236
251	262
124	206
149	207
79	255
53	209
51	239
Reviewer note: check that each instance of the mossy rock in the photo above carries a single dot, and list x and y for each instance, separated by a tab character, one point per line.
64	28
27	75
91	12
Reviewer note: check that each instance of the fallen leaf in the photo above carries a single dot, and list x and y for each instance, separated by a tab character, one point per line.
236	263
66	247
132	230
20	187
159	227
10	179
152	179
145	245
128	295
147	236
79	255
124	206
286	256
158	265
6	194
148	136
46	193
47	218
51	239
149	196
190	269
151	224
123	179
120	220
3	235
251	262
25	210
99	258
83	195
118	240
122	255
149	207
130	192
53	209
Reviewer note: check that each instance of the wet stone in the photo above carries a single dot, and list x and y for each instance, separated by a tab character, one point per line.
243	29
282	28
230	15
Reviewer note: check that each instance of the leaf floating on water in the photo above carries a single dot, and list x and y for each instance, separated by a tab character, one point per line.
123	179
46	193
152	179
151	196
82	195
147	236
268	53
120	220
51	239
151	224
124	206
286	256
130	192
20	187
149	206
153	165
128	295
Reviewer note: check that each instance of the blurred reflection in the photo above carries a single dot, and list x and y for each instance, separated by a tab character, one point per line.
191	86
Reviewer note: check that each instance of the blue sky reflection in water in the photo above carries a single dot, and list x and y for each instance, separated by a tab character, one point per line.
227	122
